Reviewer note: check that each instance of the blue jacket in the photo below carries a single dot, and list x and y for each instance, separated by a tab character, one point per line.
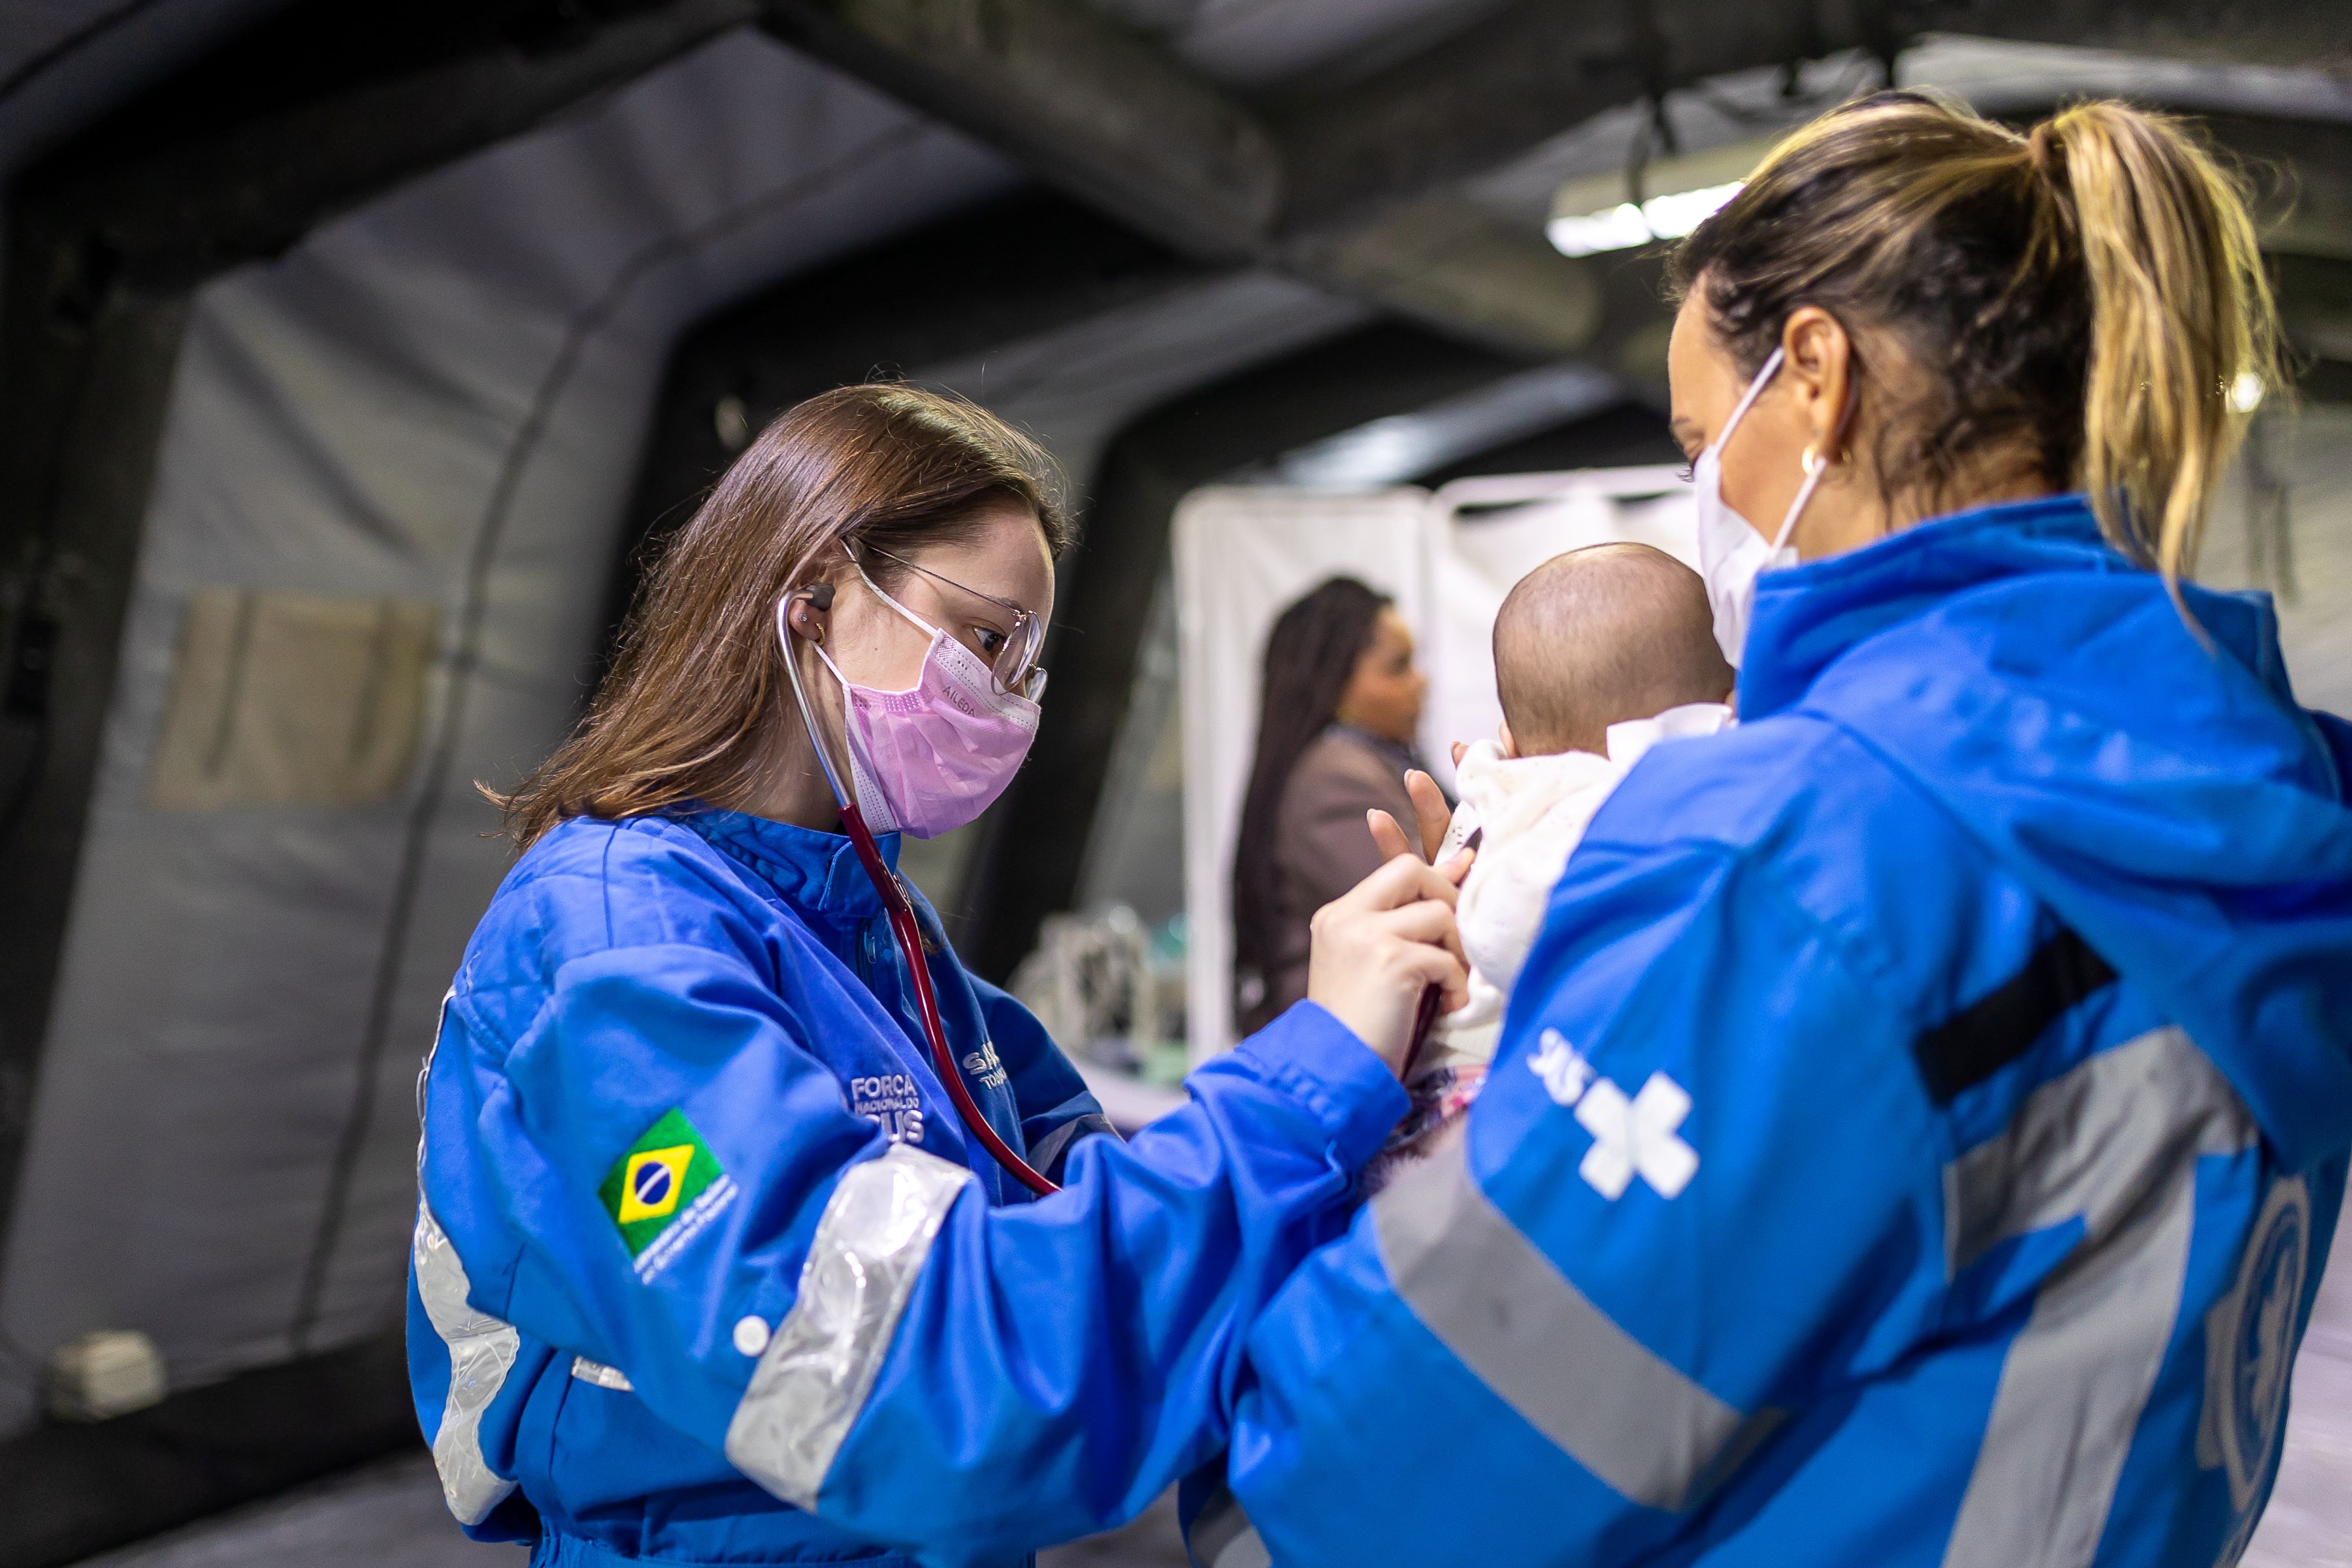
1917	1131
707	1271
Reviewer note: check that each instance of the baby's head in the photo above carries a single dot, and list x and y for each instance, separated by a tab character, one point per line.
1599	636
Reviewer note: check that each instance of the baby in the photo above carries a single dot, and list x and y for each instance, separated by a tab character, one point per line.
1598	655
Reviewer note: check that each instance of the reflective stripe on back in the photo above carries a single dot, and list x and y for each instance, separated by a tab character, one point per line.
481	1352
2115	1143
812	1378
1492	1297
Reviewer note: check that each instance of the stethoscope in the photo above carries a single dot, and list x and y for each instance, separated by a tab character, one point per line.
901	910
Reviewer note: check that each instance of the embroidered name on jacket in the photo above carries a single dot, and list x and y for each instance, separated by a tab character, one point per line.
983	1064
664	1192
891	1102
1631	1136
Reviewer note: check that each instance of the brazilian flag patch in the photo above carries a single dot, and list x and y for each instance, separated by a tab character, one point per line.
665	1192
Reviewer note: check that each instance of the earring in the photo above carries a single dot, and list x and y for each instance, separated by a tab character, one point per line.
1811	459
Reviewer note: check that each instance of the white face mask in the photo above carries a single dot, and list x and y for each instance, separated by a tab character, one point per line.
1731	553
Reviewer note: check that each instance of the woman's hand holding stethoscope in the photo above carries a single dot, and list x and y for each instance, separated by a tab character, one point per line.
1381	947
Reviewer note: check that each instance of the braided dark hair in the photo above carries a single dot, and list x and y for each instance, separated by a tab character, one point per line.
1312	651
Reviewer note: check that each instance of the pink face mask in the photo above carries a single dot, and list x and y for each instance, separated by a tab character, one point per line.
933	757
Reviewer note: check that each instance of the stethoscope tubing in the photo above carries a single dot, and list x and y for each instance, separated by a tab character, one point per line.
901	910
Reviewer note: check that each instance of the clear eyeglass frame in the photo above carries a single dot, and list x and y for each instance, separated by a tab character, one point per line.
1014	664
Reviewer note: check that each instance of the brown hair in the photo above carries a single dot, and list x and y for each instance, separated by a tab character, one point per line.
688	710
2087	296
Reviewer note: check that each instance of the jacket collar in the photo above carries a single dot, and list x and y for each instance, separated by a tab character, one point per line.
818	874
1807	616
1404	757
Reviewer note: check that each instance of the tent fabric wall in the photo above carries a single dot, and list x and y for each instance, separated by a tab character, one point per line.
1073	389
65	62
2312	575
437	400
1255	43
437	404
1244	553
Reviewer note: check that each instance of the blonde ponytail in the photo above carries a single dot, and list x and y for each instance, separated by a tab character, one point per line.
2182	319
2084	301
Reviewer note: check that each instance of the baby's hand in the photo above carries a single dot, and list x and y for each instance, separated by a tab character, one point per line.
1429	805
1393	844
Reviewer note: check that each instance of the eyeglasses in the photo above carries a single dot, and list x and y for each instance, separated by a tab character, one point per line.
1012	657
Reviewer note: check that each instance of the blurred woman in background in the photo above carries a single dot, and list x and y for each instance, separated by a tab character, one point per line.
1335	740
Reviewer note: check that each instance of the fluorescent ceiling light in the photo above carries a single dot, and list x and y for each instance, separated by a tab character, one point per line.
1404	445
1667	215
1598	212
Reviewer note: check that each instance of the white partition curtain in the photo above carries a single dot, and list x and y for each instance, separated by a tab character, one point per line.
1242	555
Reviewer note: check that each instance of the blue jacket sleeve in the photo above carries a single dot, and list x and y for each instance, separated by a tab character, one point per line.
1014	1341
1058	1364
1056	1107
1693	1200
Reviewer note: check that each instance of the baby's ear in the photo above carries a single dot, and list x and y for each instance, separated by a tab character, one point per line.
1510	747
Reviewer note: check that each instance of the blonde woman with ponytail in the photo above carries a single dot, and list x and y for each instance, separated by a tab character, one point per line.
1919	1128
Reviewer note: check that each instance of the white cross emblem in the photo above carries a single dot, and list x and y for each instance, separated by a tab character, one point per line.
1637	1137
1630	1137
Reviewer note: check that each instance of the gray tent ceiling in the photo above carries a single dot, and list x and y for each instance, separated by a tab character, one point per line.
429	407
63	63
1252	43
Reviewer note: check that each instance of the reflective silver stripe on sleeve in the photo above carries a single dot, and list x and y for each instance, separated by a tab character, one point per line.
481	1351
2114	1142
602	1376
812	1378
1048	1150
1492	1297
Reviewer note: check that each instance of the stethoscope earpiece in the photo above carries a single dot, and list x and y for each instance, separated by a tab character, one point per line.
818	596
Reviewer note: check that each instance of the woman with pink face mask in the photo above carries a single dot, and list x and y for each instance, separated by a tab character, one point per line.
713	1263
